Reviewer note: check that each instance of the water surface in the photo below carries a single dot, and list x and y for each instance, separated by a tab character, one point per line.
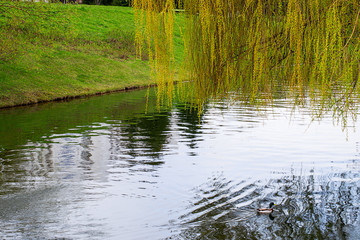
102	168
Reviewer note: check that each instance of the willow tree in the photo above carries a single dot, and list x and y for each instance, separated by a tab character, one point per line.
255	47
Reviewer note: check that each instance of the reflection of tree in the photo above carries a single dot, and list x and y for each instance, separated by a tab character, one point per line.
16	173
86	163
311	207
315	208
10	172
190	122
144	135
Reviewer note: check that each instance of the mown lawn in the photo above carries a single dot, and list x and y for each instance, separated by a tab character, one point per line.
98	56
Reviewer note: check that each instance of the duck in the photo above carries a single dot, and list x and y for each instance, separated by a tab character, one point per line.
266	210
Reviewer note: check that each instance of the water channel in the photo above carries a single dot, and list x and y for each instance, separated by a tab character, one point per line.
102	168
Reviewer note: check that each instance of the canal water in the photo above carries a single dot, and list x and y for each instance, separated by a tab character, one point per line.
102	168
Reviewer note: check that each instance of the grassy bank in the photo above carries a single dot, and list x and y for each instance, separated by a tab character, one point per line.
94	54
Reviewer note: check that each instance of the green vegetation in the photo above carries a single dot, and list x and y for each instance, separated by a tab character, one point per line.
52	51
256	47
124	3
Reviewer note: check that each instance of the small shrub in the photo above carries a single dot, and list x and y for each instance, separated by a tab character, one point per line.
120	2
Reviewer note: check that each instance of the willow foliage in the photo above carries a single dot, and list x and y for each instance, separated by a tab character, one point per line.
256	47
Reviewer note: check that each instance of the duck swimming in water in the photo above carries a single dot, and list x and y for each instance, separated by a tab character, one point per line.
266	210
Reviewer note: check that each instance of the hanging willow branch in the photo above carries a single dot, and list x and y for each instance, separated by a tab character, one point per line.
254	46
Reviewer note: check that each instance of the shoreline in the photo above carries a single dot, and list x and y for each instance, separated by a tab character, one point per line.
80	96
98	57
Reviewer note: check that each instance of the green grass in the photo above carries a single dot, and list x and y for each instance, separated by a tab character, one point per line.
62	74
98	21
99	56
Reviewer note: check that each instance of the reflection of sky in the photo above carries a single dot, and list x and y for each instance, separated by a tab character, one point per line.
126	195
265	146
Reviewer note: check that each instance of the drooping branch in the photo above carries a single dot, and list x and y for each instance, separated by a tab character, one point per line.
255	45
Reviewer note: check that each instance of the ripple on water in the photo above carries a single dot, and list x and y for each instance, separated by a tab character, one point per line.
180	175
